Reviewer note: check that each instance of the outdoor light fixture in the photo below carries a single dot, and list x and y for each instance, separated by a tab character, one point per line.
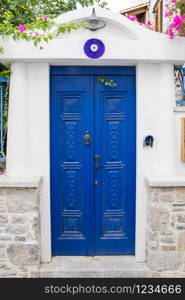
94	23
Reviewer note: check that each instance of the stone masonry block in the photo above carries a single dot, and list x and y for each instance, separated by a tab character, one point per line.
158	216
164	260
15	229
3	219
23	254
181	218
181	241
21	200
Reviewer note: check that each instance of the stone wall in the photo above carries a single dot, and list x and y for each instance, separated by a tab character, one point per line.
166	231
19	232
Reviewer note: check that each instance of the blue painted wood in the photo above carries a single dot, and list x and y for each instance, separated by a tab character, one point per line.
71	173
89	219
176	69
180	102
2	79
55	70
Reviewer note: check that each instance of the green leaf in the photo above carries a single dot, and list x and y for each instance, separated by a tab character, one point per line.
102	79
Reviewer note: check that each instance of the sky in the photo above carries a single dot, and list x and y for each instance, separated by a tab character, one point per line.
117	5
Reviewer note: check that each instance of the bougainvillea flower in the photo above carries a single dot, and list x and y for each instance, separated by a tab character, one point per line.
45	18
22	28
148	23
177	20
167	13
170	33
132	18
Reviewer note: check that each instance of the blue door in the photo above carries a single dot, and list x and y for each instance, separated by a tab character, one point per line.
93	143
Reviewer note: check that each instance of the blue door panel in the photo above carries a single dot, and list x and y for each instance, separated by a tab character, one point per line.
89	218
115	135
71	213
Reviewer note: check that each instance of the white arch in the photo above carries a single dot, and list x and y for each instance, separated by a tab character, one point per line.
126	43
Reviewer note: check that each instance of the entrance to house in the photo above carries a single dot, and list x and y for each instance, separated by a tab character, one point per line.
93	143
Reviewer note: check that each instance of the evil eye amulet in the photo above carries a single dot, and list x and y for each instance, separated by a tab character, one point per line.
94	48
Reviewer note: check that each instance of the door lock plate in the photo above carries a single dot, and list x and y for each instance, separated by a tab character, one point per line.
97	166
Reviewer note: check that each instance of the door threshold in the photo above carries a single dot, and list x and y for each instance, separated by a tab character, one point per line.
94	267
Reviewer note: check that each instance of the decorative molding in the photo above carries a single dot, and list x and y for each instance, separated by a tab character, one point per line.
165	182
20	182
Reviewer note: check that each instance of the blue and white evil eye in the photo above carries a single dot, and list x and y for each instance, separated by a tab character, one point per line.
94	48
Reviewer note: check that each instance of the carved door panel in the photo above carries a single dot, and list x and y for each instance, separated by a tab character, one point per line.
115	142
92	161
71	171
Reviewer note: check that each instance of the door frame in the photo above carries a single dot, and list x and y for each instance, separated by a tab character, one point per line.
141	193
97	70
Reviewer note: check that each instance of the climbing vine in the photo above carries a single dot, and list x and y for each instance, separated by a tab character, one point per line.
102	79
32	20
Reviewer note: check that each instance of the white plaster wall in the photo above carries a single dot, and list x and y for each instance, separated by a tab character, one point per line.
155	116
28	135
17	143
38	99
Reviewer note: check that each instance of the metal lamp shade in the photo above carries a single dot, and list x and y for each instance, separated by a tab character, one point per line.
95	23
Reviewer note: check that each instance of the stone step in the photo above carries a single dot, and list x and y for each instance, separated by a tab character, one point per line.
94	267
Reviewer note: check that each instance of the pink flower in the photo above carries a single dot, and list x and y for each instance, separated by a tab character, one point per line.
132	18
170	33
177	20
37	33
22	28
41	48
30	32
166	5
148	23
167	13
45	18
178	28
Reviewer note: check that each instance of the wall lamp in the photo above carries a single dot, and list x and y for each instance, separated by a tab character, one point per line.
95	23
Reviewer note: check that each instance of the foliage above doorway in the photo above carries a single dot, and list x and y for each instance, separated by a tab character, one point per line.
32	20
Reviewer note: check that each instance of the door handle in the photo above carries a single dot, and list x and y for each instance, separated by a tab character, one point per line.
97	158
87	138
